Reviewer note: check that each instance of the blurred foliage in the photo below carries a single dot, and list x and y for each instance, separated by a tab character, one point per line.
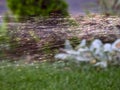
4	35
110	7
74	41
4	40
33	8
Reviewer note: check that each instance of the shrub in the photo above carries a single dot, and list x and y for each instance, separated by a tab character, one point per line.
33	8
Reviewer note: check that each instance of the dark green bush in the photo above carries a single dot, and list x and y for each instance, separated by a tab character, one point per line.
33	8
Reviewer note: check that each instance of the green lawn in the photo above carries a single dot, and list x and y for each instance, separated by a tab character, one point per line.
48	77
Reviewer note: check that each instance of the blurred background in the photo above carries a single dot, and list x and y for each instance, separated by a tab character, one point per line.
3	6
81	6
75	6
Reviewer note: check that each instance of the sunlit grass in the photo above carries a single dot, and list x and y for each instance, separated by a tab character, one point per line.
46	76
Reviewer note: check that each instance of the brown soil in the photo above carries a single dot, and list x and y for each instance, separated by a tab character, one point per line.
32	37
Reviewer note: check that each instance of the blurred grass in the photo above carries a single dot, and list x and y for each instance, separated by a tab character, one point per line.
45	76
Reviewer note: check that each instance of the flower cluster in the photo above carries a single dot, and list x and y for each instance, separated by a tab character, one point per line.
96	53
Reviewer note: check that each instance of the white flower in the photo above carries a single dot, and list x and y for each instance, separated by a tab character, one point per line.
61	56
68	45
102	64
82	44
72	52
116	45
107	48
97	49
82	48
83	51
96	45
86	49
108	51
80	58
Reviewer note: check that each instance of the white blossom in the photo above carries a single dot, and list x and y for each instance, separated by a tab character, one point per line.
96	46
116	45
72	52
61	56
82	48
108	51
107	48
102	64
96	49
82	44
68	45
80	58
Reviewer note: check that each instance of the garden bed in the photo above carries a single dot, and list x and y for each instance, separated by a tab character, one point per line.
34	37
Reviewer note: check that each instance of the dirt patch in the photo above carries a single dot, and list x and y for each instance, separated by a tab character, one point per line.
35	37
